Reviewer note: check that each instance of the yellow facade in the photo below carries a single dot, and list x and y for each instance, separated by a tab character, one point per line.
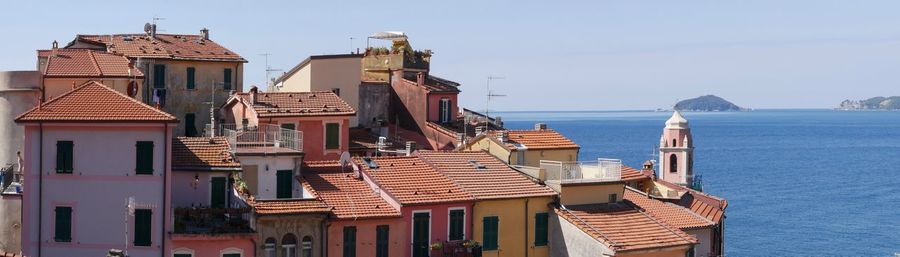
591	193
54	87
516	225
531	158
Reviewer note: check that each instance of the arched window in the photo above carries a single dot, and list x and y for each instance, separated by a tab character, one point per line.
289	244
307	246
673	163
674	143
270	247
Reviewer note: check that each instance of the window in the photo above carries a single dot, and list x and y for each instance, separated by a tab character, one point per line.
490	227
142	222
63	226
227	84
690	252
540	228
674	143
183	255
613	198
284	186
332	136
159	76
349	242
457	222
183	252
190	78
218	191
245	123
336	91
307	247
144	159
231	255
64	156
270	247
673	163
189	129
444	110
289	245
382	239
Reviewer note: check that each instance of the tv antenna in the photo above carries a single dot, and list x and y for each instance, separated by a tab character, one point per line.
490	95
269	71
351	45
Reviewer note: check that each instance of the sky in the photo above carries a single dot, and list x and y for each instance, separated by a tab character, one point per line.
559	55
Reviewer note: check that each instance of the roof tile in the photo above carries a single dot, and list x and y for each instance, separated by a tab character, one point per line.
202	153
624	227
411	181
298	104
495	180
94	102
164	46
349	197
670	213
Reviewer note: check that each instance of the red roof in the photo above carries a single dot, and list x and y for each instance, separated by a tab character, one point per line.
632	174
164	46
87	63
624	227
533	139
289	206
431	83
484	176
412	181
296	104
708	206
202	153
95	102
669	213
348	196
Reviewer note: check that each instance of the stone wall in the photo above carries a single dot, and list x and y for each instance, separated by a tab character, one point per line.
374	100
11	223
18	94
300	225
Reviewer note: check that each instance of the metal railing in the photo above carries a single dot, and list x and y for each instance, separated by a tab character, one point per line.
205	220
265	137
583	171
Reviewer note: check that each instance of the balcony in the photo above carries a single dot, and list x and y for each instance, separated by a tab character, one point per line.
208	221
602	170
265	139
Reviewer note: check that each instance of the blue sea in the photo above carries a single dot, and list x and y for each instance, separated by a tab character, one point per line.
798	182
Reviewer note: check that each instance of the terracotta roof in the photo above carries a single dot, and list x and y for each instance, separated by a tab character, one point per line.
87	63
483	175
623	227
412	181
632	174
669	213
202	153
289	206
164	46
432	83
706	205
297	104
349	197
534	139
95	102
362	139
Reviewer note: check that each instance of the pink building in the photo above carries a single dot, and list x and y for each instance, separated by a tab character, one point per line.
430	203
87	152
676	150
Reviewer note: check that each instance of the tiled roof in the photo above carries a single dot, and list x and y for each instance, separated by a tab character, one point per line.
349	197
432	83
362	139
95	102
623	227
535	139
708	206
289	206
412	181
492	180
202	153
87	63
298	104
669	213
632	174
164	46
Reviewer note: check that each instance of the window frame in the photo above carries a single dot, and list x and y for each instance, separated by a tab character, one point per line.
56	225
187	251
68	163
325	144
344	243
278	182
226	82
386	251
134	241
289	250
273	244
306	245
138	170
444	109
191	78
450	222
485	233
545	236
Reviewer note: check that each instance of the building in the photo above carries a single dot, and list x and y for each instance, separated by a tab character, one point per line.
183	72
676	152
680	217
525	147
62	69
290	227
362	222
322	117
113	151
512	212
430	203
339	73
19	92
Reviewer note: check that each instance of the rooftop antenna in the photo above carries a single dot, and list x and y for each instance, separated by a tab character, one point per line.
212	108
351	45
490	95
269	71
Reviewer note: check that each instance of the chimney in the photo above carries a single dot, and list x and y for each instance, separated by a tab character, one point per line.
253	91
479	130
420	78
410	147
55	48
648	165
540	126
152	30
204	33
503	135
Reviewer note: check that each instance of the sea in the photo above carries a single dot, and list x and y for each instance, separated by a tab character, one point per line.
798	182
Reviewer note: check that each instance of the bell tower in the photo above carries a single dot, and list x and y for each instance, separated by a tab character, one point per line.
676	150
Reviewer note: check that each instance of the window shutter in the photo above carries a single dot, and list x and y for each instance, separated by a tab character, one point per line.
540	229
332	136
284	184
142	221
144	158
456	224
190	78
159	76
64	156
490	233
382	239
63	224
349	242
227	80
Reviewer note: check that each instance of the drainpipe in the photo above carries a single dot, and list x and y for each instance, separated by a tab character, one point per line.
166	167
40	184
323	233
526	227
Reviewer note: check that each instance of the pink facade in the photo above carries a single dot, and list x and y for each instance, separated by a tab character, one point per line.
214	245
366	236
434	105
676	151
313	129
188	193
440	223
97	190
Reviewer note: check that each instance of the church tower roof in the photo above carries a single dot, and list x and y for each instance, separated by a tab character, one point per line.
677	121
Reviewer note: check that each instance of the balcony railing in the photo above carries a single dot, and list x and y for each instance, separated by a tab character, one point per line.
264	138
601	170
204	220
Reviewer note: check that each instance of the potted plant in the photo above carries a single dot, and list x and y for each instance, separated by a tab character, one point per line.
436	246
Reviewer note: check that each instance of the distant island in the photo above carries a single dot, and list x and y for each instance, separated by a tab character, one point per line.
874	103
707	103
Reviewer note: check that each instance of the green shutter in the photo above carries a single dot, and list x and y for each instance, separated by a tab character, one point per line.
63	224
64	156
142	221
144	158
217	192
284	185
349	242
190	78
540	229
190	128
490	232
227	80
456	224
159	76
332	136
382	238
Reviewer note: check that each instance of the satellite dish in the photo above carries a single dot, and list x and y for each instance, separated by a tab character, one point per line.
345	160
147	27
131	206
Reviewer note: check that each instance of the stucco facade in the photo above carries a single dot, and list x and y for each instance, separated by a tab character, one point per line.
19	92
439	222
260	174
366	236
516	231
338	73
277	227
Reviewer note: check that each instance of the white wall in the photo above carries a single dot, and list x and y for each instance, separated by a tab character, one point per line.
567	240
267	178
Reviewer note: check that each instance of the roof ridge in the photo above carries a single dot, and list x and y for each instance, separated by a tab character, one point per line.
136	101
682	208
612	244
96	65
54	99
663	224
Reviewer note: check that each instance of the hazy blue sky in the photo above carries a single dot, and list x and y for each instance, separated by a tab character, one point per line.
592	55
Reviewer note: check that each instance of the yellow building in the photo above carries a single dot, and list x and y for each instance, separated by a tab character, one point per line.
525	147
511	215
